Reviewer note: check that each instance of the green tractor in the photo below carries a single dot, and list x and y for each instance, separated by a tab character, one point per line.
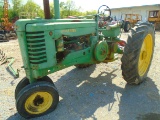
49	45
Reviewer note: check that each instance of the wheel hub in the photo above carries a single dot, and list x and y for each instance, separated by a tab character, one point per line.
144	55
38	102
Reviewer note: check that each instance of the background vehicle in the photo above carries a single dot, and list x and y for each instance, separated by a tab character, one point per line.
130	20
154	17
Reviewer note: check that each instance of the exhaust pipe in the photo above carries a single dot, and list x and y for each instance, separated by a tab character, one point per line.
46	9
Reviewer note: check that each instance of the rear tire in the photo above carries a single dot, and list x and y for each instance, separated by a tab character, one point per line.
127	26
138	53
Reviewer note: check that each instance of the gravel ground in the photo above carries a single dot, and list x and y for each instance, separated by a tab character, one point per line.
98	92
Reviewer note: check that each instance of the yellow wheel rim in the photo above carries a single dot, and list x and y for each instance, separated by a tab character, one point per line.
145	55
38	102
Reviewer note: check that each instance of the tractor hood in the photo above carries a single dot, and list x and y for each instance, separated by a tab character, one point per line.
58	29
21	24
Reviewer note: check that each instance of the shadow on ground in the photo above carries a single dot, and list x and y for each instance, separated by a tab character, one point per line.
83	95
140	102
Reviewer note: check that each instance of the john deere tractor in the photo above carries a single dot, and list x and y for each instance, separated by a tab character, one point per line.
49	45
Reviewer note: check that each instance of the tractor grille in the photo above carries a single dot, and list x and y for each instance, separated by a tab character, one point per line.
36	47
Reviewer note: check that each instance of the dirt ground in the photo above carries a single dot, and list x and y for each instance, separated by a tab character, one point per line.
95	93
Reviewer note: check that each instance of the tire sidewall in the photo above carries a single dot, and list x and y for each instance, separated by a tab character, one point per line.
25	81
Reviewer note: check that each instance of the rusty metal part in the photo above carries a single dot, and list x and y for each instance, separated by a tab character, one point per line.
7	26
4	59
46	9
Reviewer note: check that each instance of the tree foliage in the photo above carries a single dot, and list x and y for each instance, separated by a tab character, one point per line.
67	8
51	10
93	12
32	9
17	6
15	10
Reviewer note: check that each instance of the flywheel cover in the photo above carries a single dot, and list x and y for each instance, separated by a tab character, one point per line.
101	51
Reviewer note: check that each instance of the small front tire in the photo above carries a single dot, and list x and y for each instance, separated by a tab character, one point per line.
37	99
25	81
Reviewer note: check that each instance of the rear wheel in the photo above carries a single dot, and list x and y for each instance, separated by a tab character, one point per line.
138	53
37	99
127	26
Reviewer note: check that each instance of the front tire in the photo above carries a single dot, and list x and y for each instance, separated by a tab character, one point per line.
25	81
37	99
138	53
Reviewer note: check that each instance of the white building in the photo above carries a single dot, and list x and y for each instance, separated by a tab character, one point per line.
142	10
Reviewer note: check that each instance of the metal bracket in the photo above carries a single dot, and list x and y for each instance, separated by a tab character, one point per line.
4	59
13	71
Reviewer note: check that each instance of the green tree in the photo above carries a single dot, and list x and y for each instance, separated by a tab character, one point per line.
32	9
92	12
69	9
51	10
17	4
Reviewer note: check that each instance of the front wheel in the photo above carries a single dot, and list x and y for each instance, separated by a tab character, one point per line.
138	53
37	99
25	81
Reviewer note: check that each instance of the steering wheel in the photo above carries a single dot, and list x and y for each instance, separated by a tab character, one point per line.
105	12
